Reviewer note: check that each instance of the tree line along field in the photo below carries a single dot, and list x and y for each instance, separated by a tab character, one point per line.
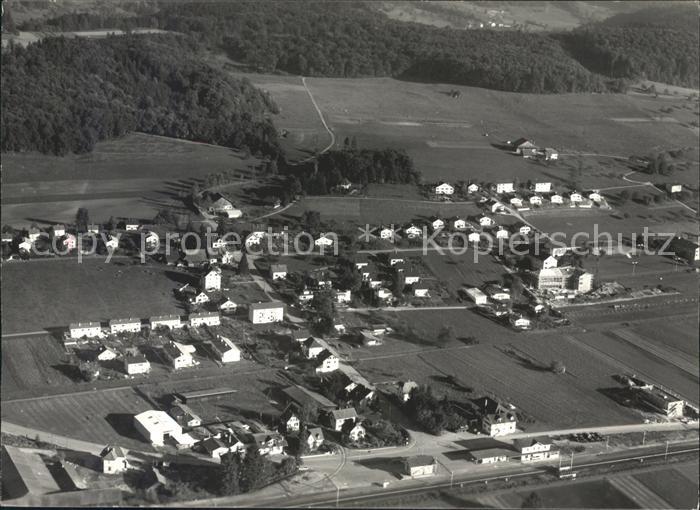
131	176
53	293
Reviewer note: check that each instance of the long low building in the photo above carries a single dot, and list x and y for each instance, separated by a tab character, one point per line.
124	326
166	321
85	330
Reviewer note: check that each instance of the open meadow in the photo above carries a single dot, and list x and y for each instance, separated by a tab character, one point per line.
53	293
32	362
134	176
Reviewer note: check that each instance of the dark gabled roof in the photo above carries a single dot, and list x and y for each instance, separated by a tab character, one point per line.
112	453
302	395
491	452
317	432
524	443
324	355
211	444
133	360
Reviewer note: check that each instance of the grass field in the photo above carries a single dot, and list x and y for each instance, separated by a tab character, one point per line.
100	417
53	293
672	486
132	176
521	377
463	270
377	211
630	358
31	362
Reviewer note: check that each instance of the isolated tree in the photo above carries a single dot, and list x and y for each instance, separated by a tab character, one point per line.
532	501
446	335
243	266
557	367
82	219
311	220
230	474
624	196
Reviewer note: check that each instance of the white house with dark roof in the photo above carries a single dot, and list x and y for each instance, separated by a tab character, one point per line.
595	197
444	189
106	354
114	460
575	198
336	419
204	319
228	306
211	280
474	237
124	326
327	362
59	230
225	350
419	466
315	438
264	313
525	230
472	188
536	449
312	348
459	224
535	200
166	322
278	271
200	298
178	357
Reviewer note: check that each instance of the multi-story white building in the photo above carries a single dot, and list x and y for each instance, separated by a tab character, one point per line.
205	319
263	313
124	326
444	189
85	330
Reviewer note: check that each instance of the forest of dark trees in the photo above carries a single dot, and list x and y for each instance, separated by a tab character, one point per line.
64	95
657	43
341	39
361	167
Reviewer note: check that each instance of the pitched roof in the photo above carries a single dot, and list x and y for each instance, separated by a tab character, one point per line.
133	360
524	443
112	453
302	395
488	453
278	268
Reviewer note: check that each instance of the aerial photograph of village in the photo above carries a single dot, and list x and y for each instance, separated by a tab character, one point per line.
350	254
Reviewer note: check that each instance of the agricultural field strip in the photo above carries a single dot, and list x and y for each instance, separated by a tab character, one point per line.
664	352
637	492
618	363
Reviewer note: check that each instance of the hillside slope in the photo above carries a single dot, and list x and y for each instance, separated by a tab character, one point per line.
63	95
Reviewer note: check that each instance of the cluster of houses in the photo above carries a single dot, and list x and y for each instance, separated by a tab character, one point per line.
526	451
315	349
177	355
22	242
496	300
560	280
527	149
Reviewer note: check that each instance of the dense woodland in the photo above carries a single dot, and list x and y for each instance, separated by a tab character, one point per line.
63	95
659	44
357	166
343	39
351	40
